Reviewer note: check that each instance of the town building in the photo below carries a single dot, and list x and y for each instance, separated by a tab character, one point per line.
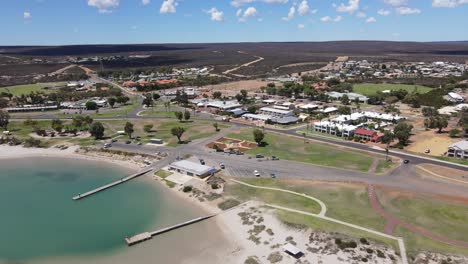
458	150
192	168
275	112
368	135
333	128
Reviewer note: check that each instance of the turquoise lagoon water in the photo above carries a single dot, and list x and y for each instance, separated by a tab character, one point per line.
39	219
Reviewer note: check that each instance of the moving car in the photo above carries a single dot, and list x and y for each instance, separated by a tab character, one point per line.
274	158
107	145
202	161
273	175
221	165
406	161
128	142
427	151
259	156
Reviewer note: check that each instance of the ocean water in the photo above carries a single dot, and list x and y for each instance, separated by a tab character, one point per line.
39	219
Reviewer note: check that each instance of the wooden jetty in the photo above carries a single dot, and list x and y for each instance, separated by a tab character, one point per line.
110	185
148	235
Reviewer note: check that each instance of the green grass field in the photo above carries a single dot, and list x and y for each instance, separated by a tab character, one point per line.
28	88
290	148
372	88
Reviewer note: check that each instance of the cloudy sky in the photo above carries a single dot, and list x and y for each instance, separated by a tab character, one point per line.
28	22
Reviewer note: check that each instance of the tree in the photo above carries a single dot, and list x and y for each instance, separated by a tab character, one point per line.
344	110
387	139
252	109
178	132
429	111
156	96
217	95
345	99
454	133
391	100
244	93
122	99
441	123
91	105
112	101
4	119
187	115
258	136
216	126
463	122
57	125
402	132
148	101
129	129
148	128
97	130
179	115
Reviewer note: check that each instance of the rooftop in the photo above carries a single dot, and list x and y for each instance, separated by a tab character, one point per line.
192	167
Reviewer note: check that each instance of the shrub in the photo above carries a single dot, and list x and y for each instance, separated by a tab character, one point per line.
364	259
380	254
187	189
214	186
228	204
364	241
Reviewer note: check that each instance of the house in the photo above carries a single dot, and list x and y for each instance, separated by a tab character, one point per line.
275	112
368	135
293	251
333	128
192	168
458	150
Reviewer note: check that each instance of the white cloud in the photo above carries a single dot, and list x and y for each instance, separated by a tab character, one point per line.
248	13
407	11
383	12
303	8
238	3
448	3
145	2
291	14
361	15
300	26
353	5
104	6
239	12
216	15
371	20
331	19
396	3
168	7
27	15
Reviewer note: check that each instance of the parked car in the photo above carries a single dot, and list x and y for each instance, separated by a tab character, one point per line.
128	142
114	140
256	173
107	145
139	144
259	156
221	165
202	161
273	175
274	158
427	151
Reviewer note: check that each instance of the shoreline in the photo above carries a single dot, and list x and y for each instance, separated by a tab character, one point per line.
19	152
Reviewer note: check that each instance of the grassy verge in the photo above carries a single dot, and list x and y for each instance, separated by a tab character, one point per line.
384	166
373	88
454	160
290	148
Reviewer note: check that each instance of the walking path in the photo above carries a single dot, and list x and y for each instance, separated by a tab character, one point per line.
244	65
374	165
321	215
392	222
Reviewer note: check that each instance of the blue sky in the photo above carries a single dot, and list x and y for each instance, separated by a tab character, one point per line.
41	22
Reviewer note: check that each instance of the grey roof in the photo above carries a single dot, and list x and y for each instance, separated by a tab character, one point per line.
237	111
463	145
285	120
192	167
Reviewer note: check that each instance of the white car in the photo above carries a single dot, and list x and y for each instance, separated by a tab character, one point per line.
256	173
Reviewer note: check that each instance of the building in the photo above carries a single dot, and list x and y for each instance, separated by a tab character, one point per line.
455	98
275	112
351	96
368	135
458	150
223	105
333	128
192	168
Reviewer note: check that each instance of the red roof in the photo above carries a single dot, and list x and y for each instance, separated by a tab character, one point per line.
365	132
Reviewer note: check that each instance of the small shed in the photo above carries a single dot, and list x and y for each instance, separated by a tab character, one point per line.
293	250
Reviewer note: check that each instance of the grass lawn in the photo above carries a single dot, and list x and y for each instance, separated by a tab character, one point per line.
162	129
344	202
290	148
372	88
163	174
158	113
447	218
383	166
416	243
28	88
